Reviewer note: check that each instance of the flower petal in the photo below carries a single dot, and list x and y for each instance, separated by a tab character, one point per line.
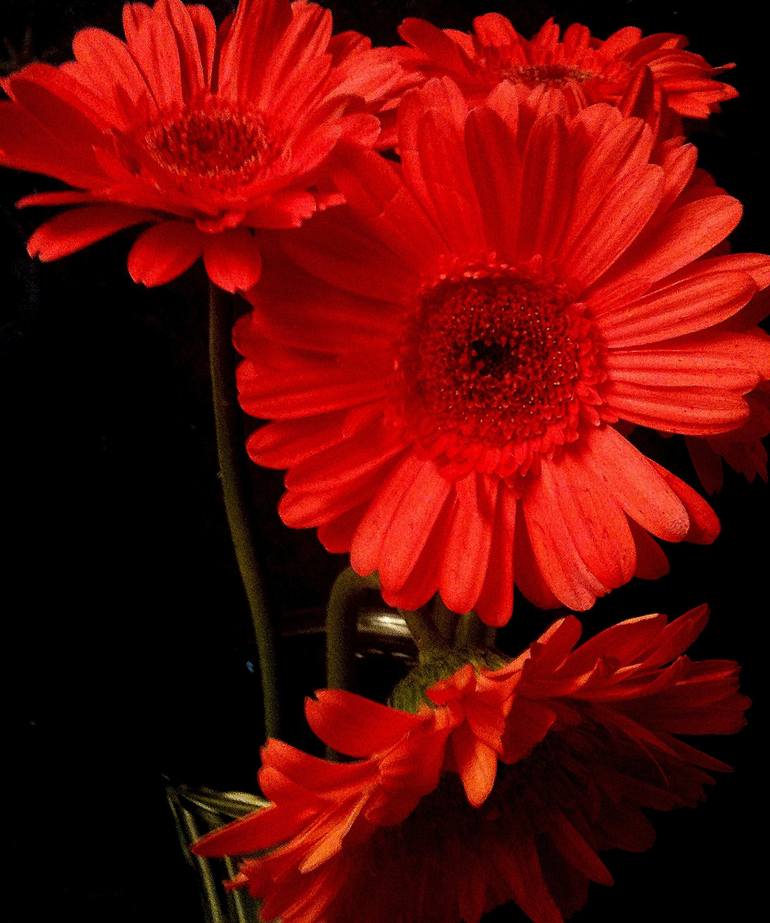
233	260
72	230
163	252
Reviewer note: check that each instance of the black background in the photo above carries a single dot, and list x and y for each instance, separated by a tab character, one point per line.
126	637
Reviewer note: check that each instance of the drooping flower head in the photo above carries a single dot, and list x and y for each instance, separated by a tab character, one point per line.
652	75
455	345
506	788
208	135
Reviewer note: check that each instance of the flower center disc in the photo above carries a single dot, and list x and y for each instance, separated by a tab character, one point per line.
214	143
497	359
553	75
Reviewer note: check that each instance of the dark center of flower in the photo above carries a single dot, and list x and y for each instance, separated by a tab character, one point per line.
554	75
214	143
498	364
496	356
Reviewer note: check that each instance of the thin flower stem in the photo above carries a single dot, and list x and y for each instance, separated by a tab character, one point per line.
470	632
426	636
347	595
236	495
444	619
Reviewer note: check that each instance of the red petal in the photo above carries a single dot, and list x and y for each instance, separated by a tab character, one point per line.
714	361
153	45
206	34
312	508
334	248
476	764
626	643
495	602
686	233
576	849
354	456
651	561
310	390
693	411
466	554
560	564
75	229
107	65
422	583
637	485
450	195
443	53
26	144
191	65
164	252
375	191
357	726
526	726
411	526
495	165
528	572
684	307
622	150
337	535
704	524
254	31
232	260
368	540
597	525
261	830
619	219
677	637
546	188
287	209
283	444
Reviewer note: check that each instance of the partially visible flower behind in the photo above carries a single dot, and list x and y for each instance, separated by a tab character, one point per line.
743	449
206	134
461	346
652	76
506	788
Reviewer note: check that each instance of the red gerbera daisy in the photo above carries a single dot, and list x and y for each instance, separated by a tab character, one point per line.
209	135
454	346
573	70
505	789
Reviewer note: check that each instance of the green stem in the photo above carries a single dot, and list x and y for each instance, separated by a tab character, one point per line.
471	632
444	619
232	472
347	595
426	636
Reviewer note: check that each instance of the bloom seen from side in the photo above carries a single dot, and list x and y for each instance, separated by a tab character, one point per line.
456	344
206	134
507	787
653	75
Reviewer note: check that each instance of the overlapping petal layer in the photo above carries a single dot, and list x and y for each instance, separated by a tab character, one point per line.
206	134
506	789
455	345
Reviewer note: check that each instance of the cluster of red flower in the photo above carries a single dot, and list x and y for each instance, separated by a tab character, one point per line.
453	342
